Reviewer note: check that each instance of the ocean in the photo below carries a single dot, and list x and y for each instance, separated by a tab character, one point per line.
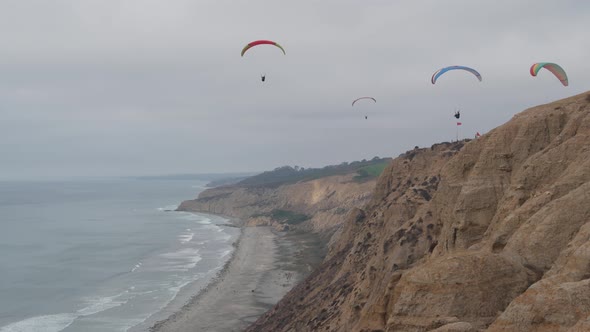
103	254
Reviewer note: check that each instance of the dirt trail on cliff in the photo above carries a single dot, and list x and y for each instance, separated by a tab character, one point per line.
491	234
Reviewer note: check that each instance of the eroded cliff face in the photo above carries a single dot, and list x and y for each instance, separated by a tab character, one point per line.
326	201
492	234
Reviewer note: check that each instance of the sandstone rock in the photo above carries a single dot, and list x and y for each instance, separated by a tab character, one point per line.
326	200
488	234
456	327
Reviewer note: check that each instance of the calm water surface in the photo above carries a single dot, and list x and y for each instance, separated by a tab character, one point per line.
102	255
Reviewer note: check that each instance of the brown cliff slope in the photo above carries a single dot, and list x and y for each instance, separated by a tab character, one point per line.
325	201
490	235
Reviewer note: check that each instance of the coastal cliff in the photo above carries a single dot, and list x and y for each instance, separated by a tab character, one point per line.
491	234
317	205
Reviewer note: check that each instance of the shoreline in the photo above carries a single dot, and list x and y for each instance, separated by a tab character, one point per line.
194	299
191	292
264	266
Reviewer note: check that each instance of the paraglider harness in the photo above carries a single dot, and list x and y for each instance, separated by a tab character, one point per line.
457	114
263	77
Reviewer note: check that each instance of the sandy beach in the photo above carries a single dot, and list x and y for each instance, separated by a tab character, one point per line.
264	267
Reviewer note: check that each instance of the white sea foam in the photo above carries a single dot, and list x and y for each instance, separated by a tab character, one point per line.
46	323
189	216
99	304
181	260
58	322
205	221
226	252
137	266
171	207
185	238
212	227
223	237
175	289
181	254
114	324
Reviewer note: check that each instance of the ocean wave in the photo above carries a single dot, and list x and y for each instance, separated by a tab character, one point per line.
205	221
181	260
137	266
100	304
189	216
226	252
223	237
58	322
171	207
185	238
46	323
212	227
176	288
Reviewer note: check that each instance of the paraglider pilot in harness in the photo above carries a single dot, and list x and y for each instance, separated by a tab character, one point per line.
263	77
457	114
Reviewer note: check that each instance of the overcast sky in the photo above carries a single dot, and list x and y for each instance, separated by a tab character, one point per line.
136	87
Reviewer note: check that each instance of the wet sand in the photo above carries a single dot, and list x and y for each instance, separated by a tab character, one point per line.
264	267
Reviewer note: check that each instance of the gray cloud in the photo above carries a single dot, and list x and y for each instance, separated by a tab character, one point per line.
148	87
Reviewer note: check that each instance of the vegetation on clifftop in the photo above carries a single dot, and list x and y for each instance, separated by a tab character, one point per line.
284	216
366	169
371	171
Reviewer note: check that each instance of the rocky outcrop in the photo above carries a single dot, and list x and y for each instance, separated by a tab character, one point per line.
491	234
324	201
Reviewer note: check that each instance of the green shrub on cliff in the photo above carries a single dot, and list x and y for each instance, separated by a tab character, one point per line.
371	171
288	217
287	174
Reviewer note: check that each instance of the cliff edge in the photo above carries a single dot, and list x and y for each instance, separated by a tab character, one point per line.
491	234
314	200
